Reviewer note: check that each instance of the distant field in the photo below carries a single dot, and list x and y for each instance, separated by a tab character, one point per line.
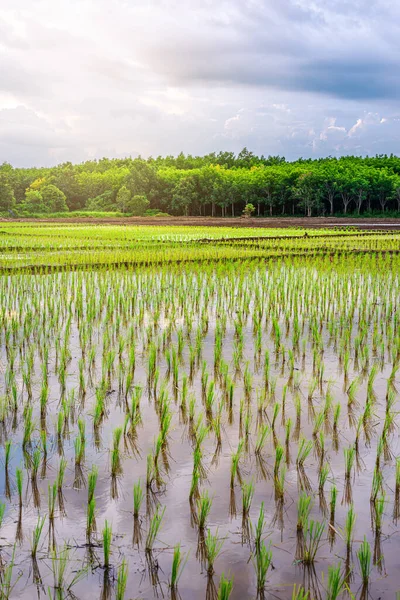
30	245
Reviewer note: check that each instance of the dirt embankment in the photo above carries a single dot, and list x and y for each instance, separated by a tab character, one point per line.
313	222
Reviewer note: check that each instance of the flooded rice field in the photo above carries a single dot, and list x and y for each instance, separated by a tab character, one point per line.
201	432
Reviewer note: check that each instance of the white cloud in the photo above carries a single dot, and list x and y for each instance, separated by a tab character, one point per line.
91	78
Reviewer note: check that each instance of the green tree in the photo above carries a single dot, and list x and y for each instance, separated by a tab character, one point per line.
123	199
138	205
249	210
103	202
54	199
33	202
7	199
309	192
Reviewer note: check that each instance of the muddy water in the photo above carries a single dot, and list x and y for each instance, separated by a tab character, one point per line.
178	523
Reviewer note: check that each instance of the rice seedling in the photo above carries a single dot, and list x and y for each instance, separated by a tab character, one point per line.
122	580
19	475
204	504
107	539
225	587
336	583
154	528
396	507
299	593
303	452
262	563
349	457
235	471
178	564
36	534
6	581
349	527
364	556
164	350
312	540
304	505
213	547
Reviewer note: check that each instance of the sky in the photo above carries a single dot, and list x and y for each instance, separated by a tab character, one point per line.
82	79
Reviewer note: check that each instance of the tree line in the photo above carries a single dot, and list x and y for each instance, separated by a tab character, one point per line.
212	185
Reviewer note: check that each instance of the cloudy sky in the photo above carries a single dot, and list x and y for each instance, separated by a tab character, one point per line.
91	78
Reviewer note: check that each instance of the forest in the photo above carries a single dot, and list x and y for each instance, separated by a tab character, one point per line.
218	184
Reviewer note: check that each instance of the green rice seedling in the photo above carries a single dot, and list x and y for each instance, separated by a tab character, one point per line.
204	503
364	557
377	485
396	507
322	477
37	532
349	527
279	474
178	564
288	429
299	593
44	396
79	451
349	457
304	505
213	547
225	588
209	400
19	475
247	381
115	453
262	562
259	529
7	456
92	481
59	567
150	471
196	476
352	393
312	540
310	398
379	510
235	471
261	439
90	518
52	495
303	452
138	495
336	582
2	511
122	580
154	528
6	584
247	497
297	427
60	481
107	539
28	426
267	368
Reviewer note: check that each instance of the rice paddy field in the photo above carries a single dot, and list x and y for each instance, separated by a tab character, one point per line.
199	413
